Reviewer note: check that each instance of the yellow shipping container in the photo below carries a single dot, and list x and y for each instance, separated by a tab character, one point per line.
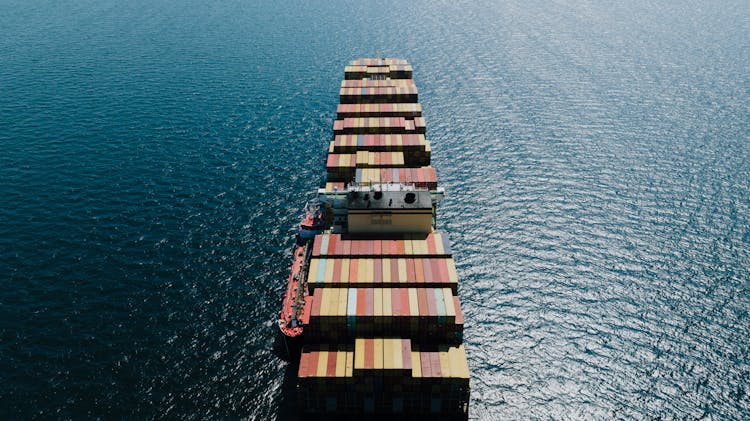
416	364
420	248
378	301
452	275
359	354
345	271
340	364
402	270
459	365
439	249
362	157
408	247
323	301
378	351
322	364
334	303
450	310
386	271
343	298
388	353
445	369
329	270
313	271
387	304
413	303
333	299
398	359
361	270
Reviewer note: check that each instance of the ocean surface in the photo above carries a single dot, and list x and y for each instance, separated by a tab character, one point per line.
155	155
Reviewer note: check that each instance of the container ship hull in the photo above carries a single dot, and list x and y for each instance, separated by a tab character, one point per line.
372	294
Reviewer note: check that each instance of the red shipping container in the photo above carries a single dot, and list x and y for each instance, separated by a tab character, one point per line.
355	248
426	264
369	302
405	306
336	271
307	310
316	245
431	175
431	304
331	366
353	271
431	250
443	270
400	248
369	247
406	354
378	249
396	302
436	276
316	301
394	247
386	247
435	364
312	363
338	248
422	299
377	266
459	313
394	271
361	305
418	271
302	372
347	249
411	274
369	353
426	364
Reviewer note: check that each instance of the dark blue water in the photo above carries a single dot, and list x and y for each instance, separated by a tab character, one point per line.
154	157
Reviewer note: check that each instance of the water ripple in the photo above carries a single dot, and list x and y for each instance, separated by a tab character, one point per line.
154	156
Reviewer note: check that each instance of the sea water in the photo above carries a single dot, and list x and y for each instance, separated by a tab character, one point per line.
155	156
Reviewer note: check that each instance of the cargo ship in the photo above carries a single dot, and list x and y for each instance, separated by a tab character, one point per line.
372	295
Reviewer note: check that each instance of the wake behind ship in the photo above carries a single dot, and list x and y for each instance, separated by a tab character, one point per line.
372	292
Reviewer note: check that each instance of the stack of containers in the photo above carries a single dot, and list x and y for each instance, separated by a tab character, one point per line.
390	374
379	110
379	125
341	167
383	324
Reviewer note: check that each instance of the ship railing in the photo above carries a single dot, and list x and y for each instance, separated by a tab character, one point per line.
299	299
